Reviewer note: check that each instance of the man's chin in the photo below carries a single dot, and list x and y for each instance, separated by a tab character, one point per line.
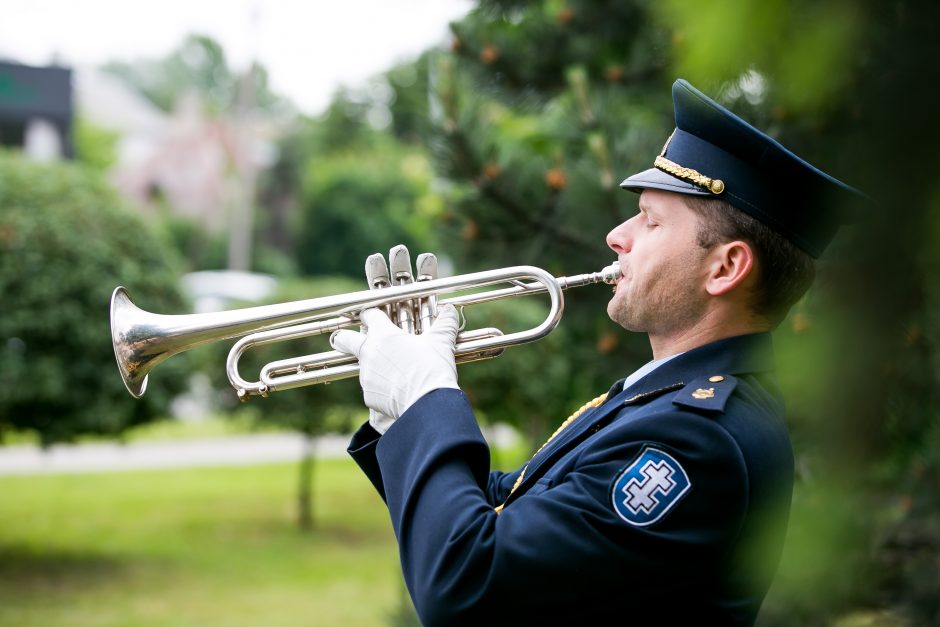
617	313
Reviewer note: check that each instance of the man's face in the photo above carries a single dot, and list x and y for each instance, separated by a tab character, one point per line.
662	290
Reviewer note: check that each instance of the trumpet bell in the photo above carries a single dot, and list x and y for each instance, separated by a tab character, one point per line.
134	369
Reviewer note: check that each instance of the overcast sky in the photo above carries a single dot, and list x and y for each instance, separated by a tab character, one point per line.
308	46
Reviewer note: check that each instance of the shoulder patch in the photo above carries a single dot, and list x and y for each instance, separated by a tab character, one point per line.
710	392
649	487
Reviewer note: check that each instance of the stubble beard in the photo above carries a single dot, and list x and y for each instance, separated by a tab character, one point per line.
666	303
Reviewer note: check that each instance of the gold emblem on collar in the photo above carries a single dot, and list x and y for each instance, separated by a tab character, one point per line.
703	393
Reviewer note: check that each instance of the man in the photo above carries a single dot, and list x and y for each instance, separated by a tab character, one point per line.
665	500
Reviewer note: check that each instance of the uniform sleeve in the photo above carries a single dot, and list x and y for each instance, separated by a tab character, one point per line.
464	564
499	486
362	449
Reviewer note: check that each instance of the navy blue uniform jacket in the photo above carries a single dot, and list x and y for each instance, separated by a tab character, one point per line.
666	503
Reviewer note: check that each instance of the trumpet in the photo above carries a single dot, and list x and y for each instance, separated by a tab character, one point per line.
143	339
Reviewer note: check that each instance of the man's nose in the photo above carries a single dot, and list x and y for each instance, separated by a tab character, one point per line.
619	239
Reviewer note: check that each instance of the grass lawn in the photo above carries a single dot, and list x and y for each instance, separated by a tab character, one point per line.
195	547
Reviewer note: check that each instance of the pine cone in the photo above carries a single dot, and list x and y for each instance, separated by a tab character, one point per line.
556	179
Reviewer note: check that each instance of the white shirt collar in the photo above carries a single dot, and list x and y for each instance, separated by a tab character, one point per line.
645	370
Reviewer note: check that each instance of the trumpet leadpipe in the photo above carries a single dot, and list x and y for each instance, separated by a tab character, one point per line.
608	275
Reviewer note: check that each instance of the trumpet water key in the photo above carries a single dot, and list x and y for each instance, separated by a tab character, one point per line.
142	339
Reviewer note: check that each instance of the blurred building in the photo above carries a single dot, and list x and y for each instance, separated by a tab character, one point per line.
36	110
189	162
186	160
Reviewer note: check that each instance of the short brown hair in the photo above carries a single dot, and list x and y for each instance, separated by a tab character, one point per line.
785	271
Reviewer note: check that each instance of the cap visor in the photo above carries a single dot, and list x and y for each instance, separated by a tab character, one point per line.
657	179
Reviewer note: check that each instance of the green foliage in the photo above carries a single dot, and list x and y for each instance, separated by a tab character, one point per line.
356	205
540	108
198	248
805	45
361	190
66	241
409	109
95	147
528	386
860	361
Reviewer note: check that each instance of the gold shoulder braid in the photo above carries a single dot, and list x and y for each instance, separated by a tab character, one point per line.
590	404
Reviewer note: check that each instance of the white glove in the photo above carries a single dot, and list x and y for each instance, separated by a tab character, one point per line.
397	368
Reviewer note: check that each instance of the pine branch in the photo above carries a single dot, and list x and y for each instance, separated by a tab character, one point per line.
493	193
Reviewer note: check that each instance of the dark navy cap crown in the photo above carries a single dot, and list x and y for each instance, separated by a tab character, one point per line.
715	153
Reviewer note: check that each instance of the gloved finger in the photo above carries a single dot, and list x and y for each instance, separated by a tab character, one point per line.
376	321
447	323
349	342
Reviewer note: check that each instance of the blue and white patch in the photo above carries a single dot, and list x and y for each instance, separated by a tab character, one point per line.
649	487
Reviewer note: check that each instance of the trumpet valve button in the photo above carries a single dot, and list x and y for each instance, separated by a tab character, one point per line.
426	266
377	271
399	260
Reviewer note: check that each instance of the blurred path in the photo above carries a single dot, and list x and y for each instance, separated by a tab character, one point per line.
224	451
262	448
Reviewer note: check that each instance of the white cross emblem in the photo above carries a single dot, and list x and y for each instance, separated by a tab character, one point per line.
643	492
641	495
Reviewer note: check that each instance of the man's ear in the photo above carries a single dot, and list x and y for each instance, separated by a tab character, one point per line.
729	265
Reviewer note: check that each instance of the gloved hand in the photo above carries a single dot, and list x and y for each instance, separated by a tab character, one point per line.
397	368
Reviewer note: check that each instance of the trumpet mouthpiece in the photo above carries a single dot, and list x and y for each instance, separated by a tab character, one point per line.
611	274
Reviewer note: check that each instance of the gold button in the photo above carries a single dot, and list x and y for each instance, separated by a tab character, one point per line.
716	379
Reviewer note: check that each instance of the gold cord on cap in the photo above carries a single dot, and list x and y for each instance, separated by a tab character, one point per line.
715	186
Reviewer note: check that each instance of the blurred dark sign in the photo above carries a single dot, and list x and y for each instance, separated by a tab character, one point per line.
28	92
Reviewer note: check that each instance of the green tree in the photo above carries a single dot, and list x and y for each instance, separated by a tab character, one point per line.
66	241
357	205
540	108
359	190
94	146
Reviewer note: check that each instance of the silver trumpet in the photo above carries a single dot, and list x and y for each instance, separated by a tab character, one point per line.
143	339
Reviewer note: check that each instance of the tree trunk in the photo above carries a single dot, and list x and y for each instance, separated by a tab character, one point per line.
305	485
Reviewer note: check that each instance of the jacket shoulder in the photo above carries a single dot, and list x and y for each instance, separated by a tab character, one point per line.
708	393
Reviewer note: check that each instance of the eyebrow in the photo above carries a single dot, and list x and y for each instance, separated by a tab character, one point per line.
652	212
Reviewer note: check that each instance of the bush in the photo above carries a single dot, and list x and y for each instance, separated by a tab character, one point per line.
66	241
